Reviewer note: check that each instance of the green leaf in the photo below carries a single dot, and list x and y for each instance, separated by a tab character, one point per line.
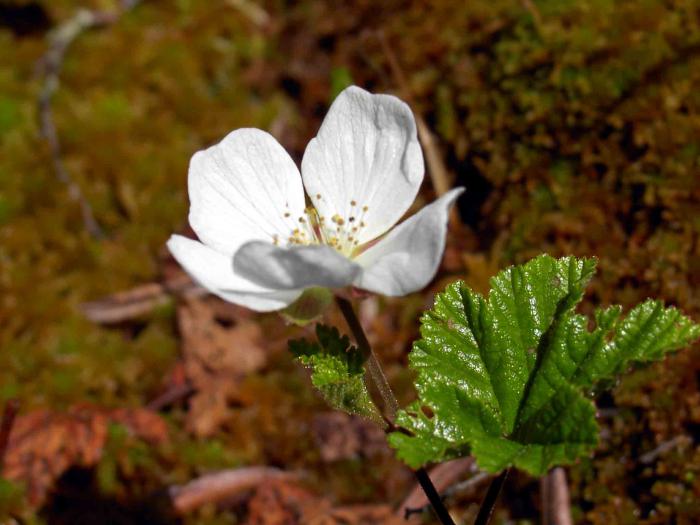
505	378
337	371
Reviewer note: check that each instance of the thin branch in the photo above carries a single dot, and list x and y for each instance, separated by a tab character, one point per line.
139	301
8	419
489	503
556	506
60	40
663	448
391	404
172	395
220	486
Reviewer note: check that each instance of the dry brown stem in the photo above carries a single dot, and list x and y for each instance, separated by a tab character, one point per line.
139	301
556	507
220	486
440	177
60	40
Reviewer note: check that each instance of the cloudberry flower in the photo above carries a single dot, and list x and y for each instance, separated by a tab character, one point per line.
262	245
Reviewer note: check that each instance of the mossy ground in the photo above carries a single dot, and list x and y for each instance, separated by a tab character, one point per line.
574	125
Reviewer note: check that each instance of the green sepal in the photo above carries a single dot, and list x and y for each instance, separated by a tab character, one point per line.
311	305
337	371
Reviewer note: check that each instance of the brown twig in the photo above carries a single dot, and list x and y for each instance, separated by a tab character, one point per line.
139	301
171	395
8	419
220	486
437	170
666	446
556	506
60	40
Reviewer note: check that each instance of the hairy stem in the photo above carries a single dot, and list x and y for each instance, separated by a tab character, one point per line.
391	404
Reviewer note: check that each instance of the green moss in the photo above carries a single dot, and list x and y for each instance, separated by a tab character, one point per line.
581	118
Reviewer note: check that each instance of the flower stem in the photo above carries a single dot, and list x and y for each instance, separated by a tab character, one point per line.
489	503
391	404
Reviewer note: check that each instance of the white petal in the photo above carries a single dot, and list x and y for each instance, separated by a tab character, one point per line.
214	271
408	257
294	267
241	188
366	151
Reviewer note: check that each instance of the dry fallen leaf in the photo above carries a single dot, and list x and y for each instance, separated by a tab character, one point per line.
43	444
284	503
220	345
341	436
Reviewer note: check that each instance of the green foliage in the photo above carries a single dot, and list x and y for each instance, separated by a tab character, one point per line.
505	377
575	122
337	371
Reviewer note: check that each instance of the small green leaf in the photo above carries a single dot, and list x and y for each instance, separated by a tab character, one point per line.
504	378
337	371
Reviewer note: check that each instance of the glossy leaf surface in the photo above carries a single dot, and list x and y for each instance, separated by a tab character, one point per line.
504	377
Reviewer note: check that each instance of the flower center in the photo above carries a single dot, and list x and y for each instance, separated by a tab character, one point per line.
338	232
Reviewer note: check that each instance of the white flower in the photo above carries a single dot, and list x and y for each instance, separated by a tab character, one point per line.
261	245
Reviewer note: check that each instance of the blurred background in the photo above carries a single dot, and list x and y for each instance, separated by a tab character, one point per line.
573	124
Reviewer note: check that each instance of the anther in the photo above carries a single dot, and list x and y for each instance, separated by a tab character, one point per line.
353	203
365	208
